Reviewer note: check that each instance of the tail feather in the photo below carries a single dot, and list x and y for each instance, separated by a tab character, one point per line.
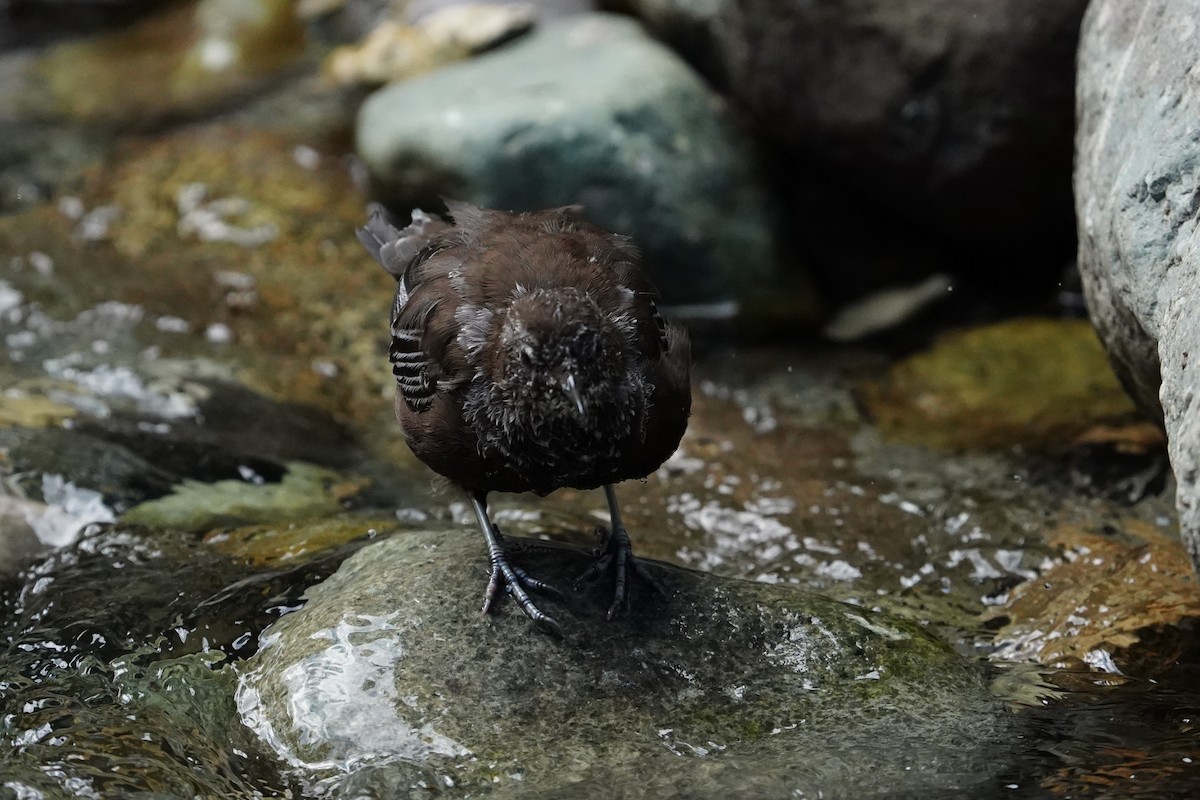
395	248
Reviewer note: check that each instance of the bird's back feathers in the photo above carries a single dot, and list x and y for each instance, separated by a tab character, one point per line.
459	285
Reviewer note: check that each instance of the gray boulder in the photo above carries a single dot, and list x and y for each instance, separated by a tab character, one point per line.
584	110
1137	196
956	114
389	680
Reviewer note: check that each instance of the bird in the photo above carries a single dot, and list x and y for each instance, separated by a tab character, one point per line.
530	355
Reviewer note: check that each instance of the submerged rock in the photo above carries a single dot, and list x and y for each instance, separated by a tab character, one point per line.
1105	601
1037	383
389	683
182	61
584	110
216	242
304	491
36	158
1137	201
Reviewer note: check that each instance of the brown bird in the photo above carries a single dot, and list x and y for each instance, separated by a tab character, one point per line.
530	355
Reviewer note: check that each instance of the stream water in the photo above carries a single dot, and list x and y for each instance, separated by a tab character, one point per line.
196	431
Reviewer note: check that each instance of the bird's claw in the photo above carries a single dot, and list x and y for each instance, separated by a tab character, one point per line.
515	582
617	555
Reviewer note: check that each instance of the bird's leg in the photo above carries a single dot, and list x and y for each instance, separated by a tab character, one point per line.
617	555
514	579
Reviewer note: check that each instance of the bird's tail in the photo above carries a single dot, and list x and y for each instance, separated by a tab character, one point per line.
393	247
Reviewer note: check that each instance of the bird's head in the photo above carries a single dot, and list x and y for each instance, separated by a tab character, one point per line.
561	355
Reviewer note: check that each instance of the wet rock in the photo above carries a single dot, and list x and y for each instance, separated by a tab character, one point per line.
160	359
129	432
887	309
1110	601
38	159
302	492
19	407
118	589
341	21
916	105
544	9
180	62
18	536
214	243
1137	201
394	50
584	110
124	588
118	476
1037	383
390	682
275	544
346	21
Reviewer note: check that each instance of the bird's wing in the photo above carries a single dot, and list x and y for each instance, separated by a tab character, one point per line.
412	366
402	252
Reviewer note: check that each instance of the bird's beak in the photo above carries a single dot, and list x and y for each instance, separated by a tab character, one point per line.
572	391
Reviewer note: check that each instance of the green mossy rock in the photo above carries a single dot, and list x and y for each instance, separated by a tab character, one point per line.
1038	383
389	680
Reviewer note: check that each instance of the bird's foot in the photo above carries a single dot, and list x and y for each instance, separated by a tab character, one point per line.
616	555
516	581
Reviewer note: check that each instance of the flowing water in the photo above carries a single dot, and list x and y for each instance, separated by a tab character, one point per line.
195	428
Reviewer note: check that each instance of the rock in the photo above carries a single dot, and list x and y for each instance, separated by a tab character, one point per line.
886	309
180	62
275	545
1102	597
692	28
123	588
476	27
221	451
347	21
339	22
119	652
1137	201
544	9
19	539
394	51
905	109
583	110
303	492
389	680
235	239
1034	383
37	158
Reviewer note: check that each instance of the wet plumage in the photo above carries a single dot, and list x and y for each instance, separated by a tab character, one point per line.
530	355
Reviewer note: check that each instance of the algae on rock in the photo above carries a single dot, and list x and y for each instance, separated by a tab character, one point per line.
389	679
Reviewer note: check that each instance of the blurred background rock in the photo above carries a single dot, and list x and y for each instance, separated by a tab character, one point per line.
784	161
